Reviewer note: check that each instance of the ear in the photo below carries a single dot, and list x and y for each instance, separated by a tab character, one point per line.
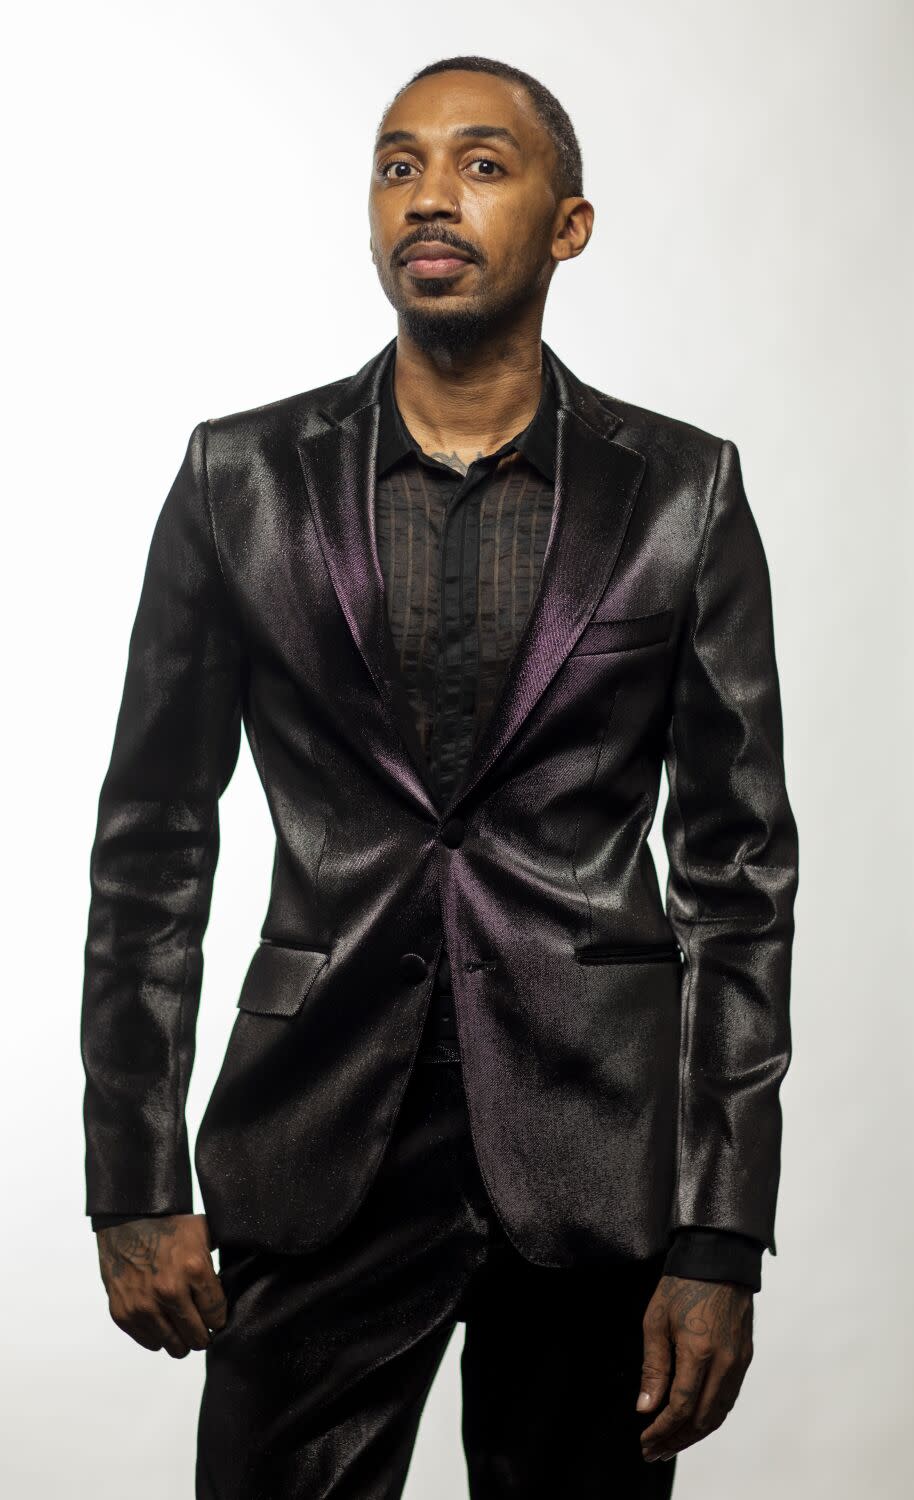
575	226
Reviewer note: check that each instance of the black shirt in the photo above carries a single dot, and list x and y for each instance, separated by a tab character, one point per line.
461	556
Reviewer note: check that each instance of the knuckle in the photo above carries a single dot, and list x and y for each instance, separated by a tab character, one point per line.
196	1266
684	1399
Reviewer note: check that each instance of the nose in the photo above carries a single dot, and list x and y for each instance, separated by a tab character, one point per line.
434	196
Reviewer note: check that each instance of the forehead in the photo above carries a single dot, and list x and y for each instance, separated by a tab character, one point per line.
435	106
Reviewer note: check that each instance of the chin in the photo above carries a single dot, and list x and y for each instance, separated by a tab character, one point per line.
453	329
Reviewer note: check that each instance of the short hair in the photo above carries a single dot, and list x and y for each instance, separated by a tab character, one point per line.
569	174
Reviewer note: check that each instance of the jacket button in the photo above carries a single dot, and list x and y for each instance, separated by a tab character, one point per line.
413	966
452	832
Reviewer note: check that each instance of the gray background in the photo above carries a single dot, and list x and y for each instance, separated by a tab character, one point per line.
187	187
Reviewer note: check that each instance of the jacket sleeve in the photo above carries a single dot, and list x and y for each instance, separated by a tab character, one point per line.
733	873
715	1255
151	868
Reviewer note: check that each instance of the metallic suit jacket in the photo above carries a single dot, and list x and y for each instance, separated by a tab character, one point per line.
622	1054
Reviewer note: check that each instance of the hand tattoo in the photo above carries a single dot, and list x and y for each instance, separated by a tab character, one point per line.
133	1244
706	1308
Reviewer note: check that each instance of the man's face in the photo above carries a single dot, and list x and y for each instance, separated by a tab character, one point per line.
462	162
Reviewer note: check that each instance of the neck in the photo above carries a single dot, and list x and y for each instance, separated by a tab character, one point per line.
467	405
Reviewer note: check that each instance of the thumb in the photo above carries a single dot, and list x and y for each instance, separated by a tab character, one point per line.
655	1371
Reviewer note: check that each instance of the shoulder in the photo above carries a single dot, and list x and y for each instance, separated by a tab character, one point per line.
657	433
669	442
289	416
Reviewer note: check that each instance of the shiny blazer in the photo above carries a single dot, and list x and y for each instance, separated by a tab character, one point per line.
622	1055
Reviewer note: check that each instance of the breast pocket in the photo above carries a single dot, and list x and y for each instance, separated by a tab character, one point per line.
624	635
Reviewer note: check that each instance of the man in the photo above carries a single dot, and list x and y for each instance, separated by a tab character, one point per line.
466	607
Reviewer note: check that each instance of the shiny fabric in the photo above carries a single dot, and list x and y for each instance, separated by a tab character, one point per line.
461	557
622	1056
316	1384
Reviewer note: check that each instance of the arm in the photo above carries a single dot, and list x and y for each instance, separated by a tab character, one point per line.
153	861
733	853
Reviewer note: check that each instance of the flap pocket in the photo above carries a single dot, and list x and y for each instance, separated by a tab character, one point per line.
279	977
624	635
630	953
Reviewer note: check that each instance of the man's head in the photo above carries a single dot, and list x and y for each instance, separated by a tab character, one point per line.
478	159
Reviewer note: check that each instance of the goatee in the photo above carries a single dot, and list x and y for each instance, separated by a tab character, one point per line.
438	332
459	330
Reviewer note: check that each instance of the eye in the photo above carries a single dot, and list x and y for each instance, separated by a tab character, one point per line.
398	162
485	161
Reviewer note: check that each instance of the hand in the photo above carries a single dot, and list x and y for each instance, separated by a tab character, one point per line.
710	1325
162	1288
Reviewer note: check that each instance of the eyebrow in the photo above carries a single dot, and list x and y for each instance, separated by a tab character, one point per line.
463	132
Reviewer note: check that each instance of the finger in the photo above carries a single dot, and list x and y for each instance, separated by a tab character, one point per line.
718	1396
152	1330
182	1314
691	1371
142	1330
658	1362
210	1300
175	1346
173	1342
709	1414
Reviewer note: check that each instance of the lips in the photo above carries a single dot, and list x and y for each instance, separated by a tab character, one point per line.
433	250
433	258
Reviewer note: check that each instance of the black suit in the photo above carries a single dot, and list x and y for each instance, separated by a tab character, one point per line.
621	1063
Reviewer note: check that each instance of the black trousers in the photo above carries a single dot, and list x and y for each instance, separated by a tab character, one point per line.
315	1386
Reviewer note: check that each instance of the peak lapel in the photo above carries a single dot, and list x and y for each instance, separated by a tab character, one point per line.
596	487
338	468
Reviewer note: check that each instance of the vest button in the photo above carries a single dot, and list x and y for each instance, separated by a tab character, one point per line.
452	832
413	966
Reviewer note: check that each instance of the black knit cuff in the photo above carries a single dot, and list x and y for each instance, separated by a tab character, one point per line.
716	1255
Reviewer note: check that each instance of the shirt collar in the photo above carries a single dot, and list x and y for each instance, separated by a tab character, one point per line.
536	441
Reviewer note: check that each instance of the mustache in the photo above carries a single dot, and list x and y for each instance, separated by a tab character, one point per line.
422	236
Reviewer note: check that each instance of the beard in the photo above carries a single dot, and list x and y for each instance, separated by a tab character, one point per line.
461	328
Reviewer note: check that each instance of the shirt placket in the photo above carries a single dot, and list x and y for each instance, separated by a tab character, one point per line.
458	643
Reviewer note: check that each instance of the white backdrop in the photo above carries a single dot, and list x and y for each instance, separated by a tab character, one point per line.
187	188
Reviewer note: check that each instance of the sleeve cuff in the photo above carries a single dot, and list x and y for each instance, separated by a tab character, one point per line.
105	1221
716	1255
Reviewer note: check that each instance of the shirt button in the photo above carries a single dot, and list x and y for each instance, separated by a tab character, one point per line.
452	832
413	966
